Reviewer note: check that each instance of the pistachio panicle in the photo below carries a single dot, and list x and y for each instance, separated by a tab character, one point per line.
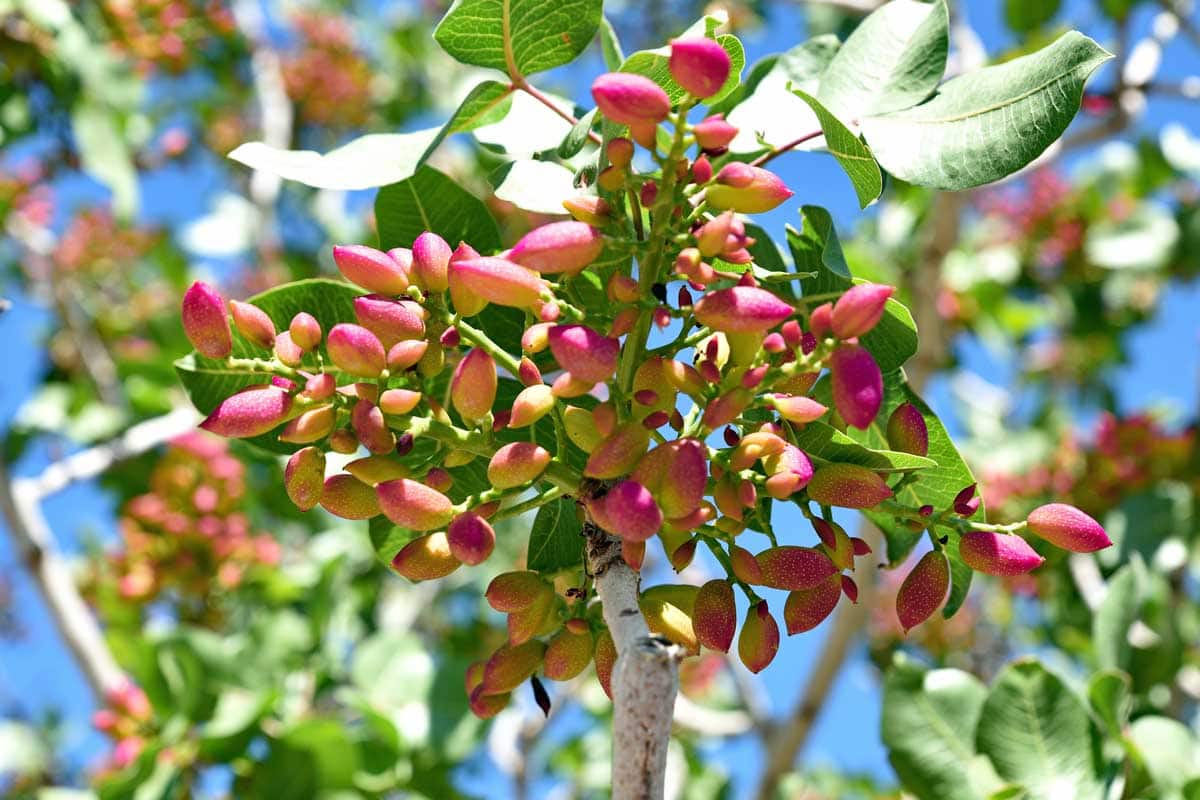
462	387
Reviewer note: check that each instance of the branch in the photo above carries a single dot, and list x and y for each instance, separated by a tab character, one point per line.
20	502
91	462
52	574
645	678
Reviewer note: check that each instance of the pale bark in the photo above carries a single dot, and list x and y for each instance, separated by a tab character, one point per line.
20	502
645	678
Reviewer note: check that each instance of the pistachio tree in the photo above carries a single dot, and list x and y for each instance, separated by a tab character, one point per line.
649	371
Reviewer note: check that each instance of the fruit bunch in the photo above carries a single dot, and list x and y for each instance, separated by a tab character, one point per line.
169	34
1121	457
125	718
672	404
187	535
327	77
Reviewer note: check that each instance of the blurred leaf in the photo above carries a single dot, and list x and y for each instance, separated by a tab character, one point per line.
209	381
518	37
928	727
392	670
984	125
313	757
556	538
538	186
1023	16
1144	240
1169	750
1111	623
430	201
893	60
610	45
376	159
105	154
854	156
1036	733
654	64
228	731
22	751
1108	694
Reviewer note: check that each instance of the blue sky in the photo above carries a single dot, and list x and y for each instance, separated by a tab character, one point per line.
1163	370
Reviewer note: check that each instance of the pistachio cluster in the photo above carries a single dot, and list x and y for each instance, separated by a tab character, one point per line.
673	416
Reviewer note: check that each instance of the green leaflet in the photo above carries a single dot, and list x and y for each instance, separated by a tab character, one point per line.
518	37
854	156
893	60
984	125
430	201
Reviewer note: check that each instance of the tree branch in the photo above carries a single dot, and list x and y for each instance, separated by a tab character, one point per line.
645	678
50	571
91	462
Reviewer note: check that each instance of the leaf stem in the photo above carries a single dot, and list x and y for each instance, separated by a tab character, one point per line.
525	86
537	501
778	151
484	342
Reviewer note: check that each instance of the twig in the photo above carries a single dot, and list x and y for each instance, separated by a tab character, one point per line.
52	574
783	148
536	94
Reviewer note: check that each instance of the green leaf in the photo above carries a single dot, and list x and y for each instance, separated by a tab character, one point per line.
854	156
313	757
817	249
826	443
610	45
1036	733
556	539
984	125
209	381
936	487
928	727
538	186
1169	751
654	64
518	37
1024	16
487	103
387	538
376	159
430	201
105	155
764	107
392	670
1117	612
893	60
233	722
1108	695
576	138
